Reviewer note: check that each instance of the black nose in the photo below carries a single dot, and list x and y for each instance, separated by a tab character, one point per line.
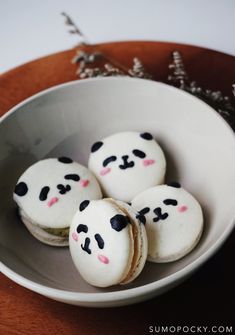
126	164
63	188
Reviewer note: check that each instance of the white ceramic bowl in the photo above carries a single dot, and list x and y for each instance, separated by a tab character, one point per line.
66	120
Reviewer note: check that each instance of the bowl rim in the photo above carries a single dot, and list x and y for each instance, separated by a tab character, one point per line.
102	297
118	78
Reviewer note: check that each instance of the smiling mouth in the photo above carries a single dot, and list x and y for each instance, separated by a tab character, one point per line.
127	165
160	215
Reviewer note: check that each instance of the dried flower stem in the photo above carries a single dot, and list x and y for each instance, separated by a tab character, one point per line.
138	70
74	28
215	99
117	65
84	58
178	77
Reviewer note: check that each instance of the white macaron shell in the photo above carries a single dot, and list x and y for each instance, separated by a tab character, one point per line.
51	172
176	235
124	184
117	252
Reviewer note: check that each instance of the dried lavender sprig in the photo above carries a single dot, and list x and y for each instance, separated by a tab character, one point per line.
215	99
85	58
82	56
107	71
179	76
112	68
138	70
74	28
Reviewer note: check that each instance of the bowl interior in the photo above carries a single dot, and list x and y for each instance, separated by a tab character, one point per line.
67	120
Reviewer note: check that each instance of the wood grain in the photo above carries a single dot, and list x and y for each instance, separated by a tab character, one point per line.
206	298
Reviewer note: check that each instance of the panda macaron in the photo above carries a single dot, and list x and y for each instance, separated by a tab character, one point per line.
49	193
174	221
127	163
108	242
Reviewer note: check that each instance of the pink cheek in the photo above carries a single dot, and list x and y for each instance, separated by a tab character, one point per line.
104	171
148	162
84	182
182	209
103	259
75	237
52	201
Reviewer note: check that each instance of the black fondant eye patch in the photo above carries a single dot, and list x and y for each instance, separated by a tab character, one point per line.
174	184
119	222
109	160
172	202
44	192
144	210
82	228
139	153
21	189
73	176
146	136
65	160
99	241
83	205
96	146
141	214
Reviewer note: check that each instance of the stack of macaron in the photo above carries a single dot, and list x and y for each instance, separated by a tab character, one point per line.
115	214
48	195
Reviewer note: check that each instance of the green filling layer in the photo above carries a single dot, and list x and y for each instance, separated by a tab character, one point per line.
62	232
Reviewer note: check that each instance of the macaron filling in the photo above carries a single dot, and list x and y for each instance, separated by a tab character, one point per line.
136	262
63	232
44	234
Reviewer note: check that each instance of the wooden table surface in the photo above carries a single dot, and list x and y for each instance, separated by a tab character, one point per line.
207	298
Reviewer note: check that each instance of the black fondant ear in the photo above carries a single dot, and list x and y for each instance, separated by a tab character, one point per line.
174	184
83	205
139	153
146	136
144	210
65	160
21	189
96	146
119	222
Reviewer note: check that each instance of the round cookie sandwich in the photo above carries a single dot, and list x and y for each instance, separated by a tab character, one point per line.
108	242
174	221
127	163
48	194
